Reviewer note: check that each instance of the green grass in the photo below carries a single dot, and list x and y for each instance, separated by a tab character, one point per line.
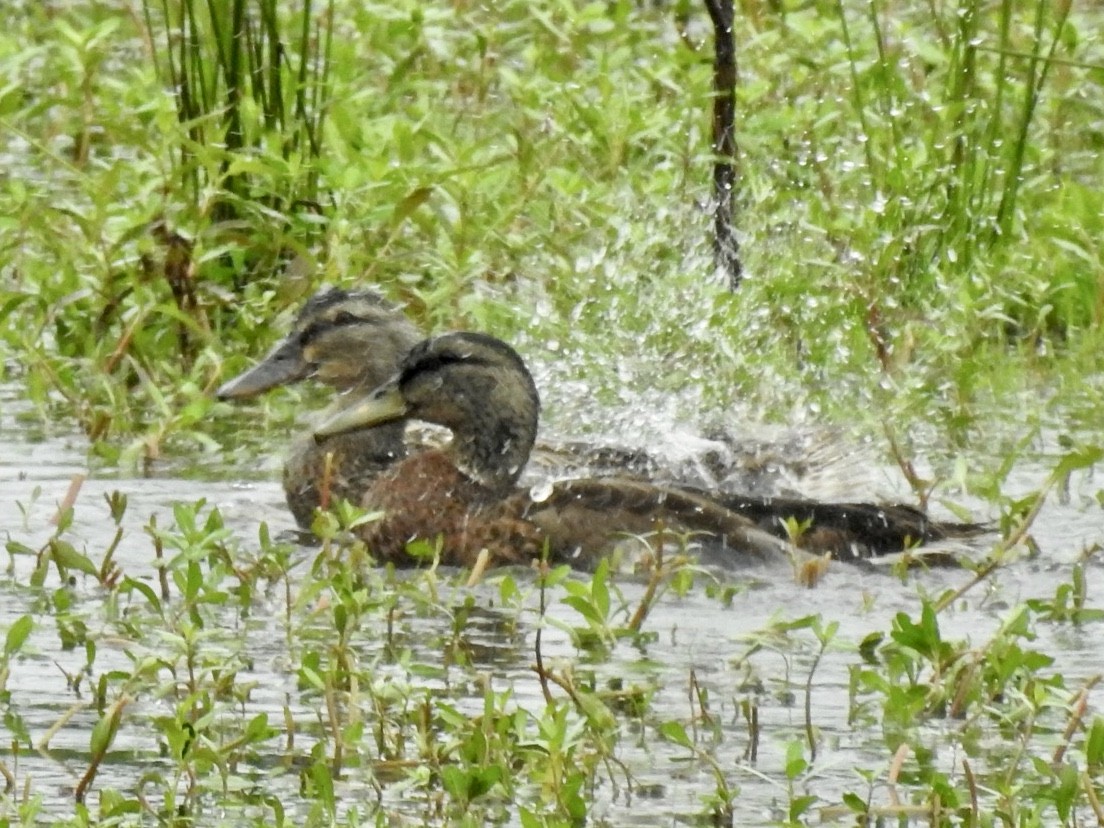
916	201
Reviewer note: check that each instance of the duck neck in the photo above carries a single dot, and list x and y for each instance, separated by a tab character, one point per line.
496	457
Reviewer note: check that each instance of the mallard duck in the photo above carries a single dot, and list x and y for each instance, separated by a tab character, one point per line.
465	496
355	340
349	340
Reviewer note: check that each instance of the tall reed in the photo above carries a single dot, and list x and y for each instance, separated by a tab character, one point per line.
251	83
975	112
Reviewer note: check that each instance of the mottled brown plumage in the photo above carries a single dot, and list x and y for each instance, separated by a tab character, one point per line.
848	531
466	498
351	341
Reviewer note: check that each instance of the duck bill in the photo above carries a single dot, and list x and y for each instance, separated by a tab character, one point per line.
384	406
284	364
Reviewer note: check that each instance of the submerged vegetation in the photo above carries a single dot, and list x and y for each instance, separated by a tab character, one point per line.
921	221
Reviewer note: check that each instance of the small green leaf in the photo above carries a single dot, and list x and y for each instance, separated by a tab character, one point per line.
17	548
257	729
193	582
1094	745
455	780
585	608
146	591
312	678
596	711
323	785
855	802
103	732
799	805
599	588
411	202
66	556
17	634
795	760
674	732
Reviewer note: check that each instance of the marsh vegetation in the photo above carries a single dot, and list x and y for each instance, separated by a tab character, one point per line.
920	217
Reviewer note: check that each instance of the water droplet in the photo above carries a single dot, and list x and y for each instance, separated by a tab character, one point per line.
541	491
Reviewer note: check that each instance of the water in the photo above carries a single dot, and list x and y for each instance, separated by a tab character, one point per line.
733	651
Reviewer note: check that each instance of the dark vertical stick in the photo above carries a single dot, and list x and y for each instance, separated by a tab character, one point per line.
726	249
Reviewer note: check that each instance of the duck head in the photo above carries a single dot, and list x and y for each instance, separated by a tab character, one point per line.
473	384
344	339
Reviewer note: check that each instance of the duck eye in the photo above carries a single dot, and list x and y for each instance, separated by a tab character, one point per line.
307	335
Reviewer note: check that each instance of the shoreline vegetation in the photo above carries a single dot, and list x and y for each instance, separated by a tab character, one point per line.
920	221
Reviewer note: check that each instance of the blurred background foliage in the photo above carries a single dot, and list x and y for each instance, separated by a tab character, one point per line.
919	201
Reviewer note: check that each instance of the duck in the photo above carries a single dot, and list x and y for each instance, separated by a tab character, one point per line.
354	340
464	499
351	341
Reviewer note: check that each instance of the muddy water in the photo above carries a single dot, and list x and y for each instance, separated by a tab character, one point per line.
695	635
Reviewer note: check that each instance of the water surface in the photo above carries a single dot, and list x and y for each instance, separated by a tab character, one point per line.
692	637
